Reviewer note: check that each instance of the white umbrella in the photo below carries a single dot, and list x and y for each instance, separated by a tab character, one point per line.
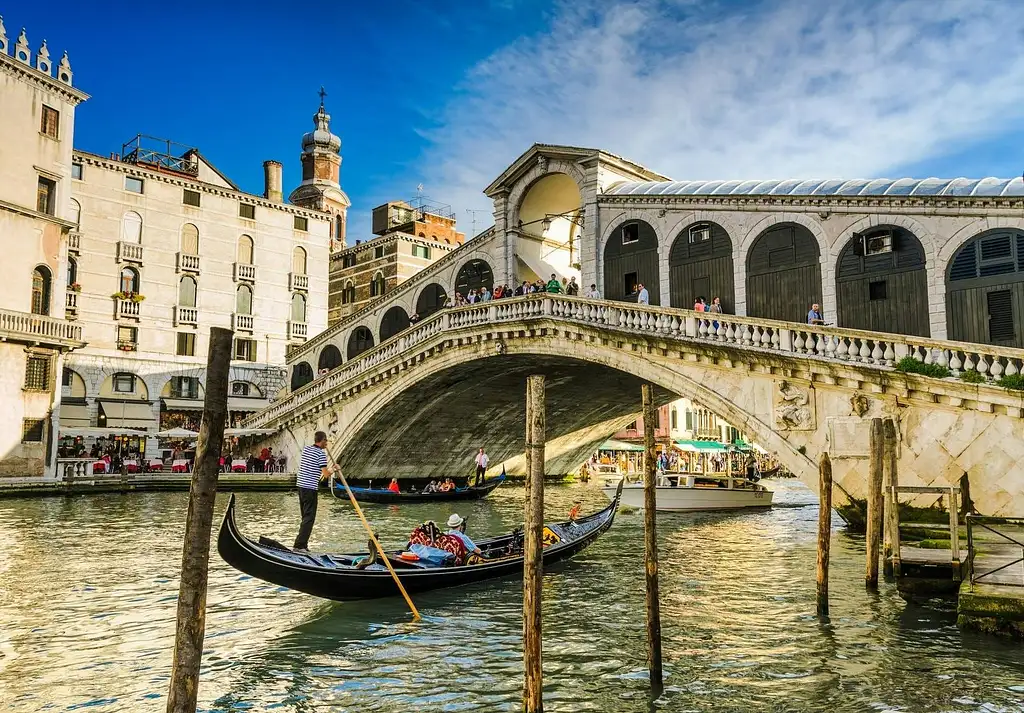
177	433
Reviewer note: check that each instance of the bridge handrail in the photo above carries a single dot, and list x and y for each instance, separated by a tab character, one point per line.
875	349
423	275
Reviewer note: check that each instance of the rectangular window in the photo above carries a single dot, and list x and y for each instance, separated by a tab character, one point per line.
32	430
65	377
37	373
127	337
630	233
46	196
186	344
700	233
631	427
133	184
245	349
301	223
184	387
378	252
422	251
247	211
349	260
675	419
50	125
239	388
191	198
76	171
877	290
878	243
629	282
124	383
1000	316
689	420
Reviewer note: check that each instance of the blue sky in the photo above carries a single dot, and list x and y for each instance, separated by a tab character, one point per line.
448	92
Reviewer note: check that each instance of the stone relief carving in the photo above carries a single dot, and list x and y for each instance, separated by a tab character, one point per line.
794	407
859	404
542	163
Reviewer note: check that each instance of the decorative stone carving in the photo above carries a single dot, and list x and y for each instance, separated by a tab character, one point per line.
542	163
859	404
794	407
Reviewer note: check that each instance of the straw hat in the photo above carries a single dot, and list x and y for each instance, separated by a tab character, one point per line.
455	521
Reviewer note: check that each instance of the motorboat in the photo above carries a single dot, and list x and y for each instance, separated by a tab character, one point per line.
683	492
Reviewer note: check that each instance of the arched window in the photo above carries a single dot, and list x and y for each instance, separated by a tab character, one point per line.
189	239
243	300
359	341
131	228
299	261
348	295
129	280
339	228
187	289
422	235
72	271
41	290
377	285
75	212
245	250
298	307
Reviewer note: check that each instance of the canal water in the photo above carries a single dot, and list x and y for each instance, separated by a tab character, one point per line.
87	606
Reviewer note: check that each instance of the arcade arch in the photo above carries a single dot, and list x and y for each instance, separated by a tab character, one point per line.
474	275
431	298
302	374
985	289
359	341
700	265
330	358
631	258
394	321
784	273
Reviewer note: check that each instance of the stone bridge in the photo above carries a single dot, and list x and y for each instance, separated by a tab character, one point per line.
420	403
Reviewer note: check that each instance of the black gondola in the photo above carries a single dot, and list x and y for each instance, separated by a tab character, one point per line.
337	577
374	495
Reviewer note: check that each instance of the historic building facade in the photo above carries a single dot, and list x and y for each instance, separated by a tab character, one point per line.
37	121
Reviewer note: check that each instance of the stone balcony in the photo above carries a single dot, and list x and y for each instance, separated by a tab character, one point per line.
245	272
28	328
126	308
297	330
242	322
186	315
129	252
70	305
74	242
297	281
188	263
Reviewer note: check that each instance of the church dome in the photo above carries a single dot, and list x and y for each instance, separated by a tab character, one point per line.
321	138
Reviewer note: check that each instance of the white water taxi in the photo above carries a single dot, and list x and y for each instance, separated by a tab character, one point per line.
682	492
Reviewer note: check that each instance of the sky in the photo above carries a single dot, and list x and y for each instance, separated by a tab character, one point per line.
447	93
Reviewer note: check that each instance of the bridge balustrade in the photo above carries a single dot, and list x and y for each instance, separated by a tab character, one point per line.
871	349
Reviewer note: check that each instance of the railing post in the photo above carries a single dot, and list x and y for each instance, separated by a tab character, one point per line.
785	340
549	306
691	326
446	320
492	312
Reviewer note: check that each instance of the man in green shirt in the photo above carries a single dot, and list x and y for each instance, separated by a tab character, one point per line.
554	286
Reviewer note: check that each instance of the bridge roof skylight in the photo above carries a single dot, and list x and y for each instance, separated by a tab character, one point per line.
853	187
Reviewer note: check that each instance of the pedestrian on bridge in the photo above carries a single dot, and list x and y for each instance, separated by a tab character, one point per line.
554	286
592	293
572	288
644	298
481	465
313	467
814	316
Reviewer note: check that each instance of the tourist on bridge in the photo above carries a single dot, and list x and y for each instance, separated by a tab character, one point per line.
814	316
592	293
699	305
572	288
554	286
644	297
481	465
313	467
523	289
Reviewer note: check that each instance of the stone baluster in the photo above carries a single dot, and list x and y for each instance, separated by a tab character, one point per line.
676	326
954	362
798	341
888	354
702	329
876	353
982	366
1011	367
969	364
864	353
766	338
996	369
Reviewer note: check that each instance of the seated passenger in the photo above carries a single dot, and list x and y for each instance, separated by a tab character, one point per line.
456	528
394	485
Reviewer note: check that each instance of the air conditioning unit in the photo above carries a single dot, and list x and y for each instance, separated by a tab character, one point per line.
877	243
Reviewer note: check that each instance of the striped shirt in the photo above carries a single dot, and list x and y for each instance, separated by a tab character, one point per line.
311	462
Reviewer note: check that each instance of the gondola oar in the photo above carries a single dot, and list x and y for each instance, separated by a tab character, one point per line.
376	543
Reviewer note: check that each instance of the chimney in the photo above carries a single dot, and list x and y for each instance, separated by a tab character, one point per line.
272	181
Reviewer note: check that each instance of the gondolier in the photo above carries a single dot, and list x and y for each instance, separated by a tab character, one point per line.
481	465
314	466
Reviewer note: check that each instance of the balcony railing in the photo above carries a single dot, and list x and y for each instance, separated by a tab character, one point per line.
245	272
129	252
188	263
241	322
186	315
70	304
126	308
22	326
297	281
127	345
74	242
297	330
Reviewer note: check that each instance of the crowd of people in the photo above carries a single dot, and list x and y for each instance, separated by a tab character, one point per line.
565	286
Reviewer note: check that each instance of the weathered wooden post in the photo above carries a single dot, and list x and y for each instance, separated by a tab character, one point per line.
890	503
874	514
195	558
824	531
651	542
533	561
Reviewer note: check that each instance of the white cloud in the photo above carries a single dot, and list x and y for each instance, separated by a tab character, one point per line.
843	88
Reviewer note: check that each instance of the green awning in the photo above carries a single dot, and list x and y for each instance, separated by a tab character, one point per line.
688	445
613	445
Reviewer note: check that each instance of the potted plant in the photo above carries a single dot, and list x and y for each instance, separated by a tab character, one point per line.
74	287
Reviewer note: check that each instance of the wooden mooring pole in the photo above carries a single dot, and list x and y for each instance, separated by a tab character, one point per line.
651	542
195	558
890	480
874	514
824	531
533	561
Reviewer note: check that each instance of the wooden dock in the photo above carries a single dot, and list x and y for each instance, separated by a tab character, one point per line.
143	482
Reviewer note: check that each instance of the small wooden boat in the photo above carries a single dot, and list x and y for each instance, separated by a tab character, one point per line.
683	493
375	495
337	576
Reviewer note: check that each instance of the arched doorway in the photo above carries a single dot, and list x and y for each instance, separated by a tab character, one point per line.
474	275
302	374
330	358
394	321
430	300
985	289
359	341
550	227
882	284
630	259
700	265
783	274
